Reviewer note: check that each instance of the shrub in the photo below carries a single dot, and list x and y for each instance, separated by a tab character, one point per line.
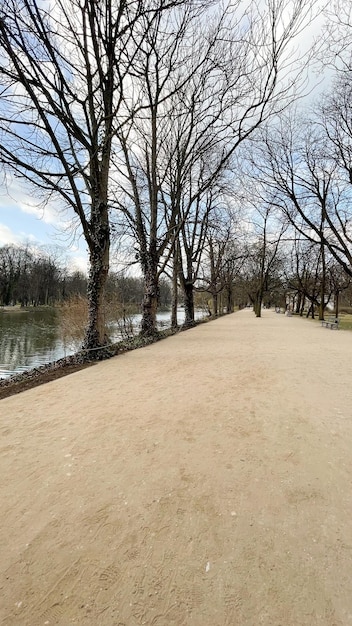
74	319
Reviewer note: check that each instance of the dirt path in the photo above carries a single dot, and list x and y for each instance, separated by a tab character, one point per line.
202	481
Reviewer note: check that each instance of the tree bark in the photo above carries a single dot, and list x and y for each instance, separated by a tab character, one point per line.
258	306
98	273
322	282
337	304
229	299
175	269
189	303
150	298
215	299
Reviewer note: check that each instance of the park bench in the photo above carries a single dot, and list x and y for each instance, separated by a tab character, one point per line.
331	322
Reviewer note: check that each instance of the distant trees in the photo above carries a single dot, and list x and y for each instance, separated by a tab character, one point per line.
301	168
27	278
32	277
218	259
263	257
304	165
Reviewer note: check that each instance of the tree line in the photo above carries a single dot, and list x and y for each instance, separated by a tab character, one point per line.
162	128
34	277
232	275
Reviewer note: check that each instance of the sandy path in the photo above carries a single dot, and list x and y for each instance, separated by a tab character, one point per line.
204	480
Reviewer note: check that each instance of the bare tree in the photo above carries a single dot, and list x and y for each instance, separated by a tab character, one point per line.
202	85
335	119
263	253
233	261
218	258
200	235
145	199
306	277
339	281
336	49
216	249
63	72
302	179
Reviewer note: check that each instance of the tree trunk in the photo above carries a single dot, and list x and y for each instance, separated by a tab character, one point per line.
175	270
323	278
298	303
258	304
189	303
150	299
186	282
258	308
337	304
322	299
229	299
311	311
98	273
174	323
215	304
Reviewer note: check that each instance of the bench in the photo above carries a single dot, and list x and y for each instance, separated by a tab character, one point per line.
331	322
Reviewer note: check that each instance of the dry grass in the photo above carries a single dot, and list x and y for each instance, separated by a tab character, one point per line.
74	319
345	321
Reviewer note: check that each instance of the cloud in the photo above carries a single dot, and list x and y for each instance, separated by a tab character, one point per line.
79	263
48	214
17	194
75	258
8	237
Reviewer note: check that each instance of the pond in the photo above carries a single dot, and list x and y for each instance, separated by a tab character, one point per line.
31	337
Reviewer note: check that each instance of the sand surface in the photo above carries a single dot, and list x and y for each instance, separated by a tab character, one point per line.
204	480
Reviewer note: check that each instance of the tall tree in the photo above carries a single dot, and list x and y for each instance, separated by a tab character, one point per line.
63	71
202	85
142	162
219	257
336	45
306	276
303	179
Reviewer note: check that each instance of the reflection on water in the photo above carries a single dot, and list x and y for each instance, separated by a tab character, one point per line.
31	338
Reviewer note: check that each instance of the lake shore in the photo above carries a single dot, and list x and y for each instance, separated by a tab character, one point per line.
34	377
13	309
200	480
37	341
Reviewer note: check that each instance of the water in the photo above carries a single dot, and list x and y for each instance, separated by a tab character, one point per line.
31	338
28	338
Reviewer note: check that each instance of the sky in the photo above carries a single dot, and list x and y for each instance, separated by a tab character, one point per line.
23	222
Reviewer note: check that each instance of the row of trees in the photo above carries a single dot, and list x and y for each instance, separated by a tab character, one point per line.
291	275
302	165
165	128
34	277
128	114
297	175
26	278
273	273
